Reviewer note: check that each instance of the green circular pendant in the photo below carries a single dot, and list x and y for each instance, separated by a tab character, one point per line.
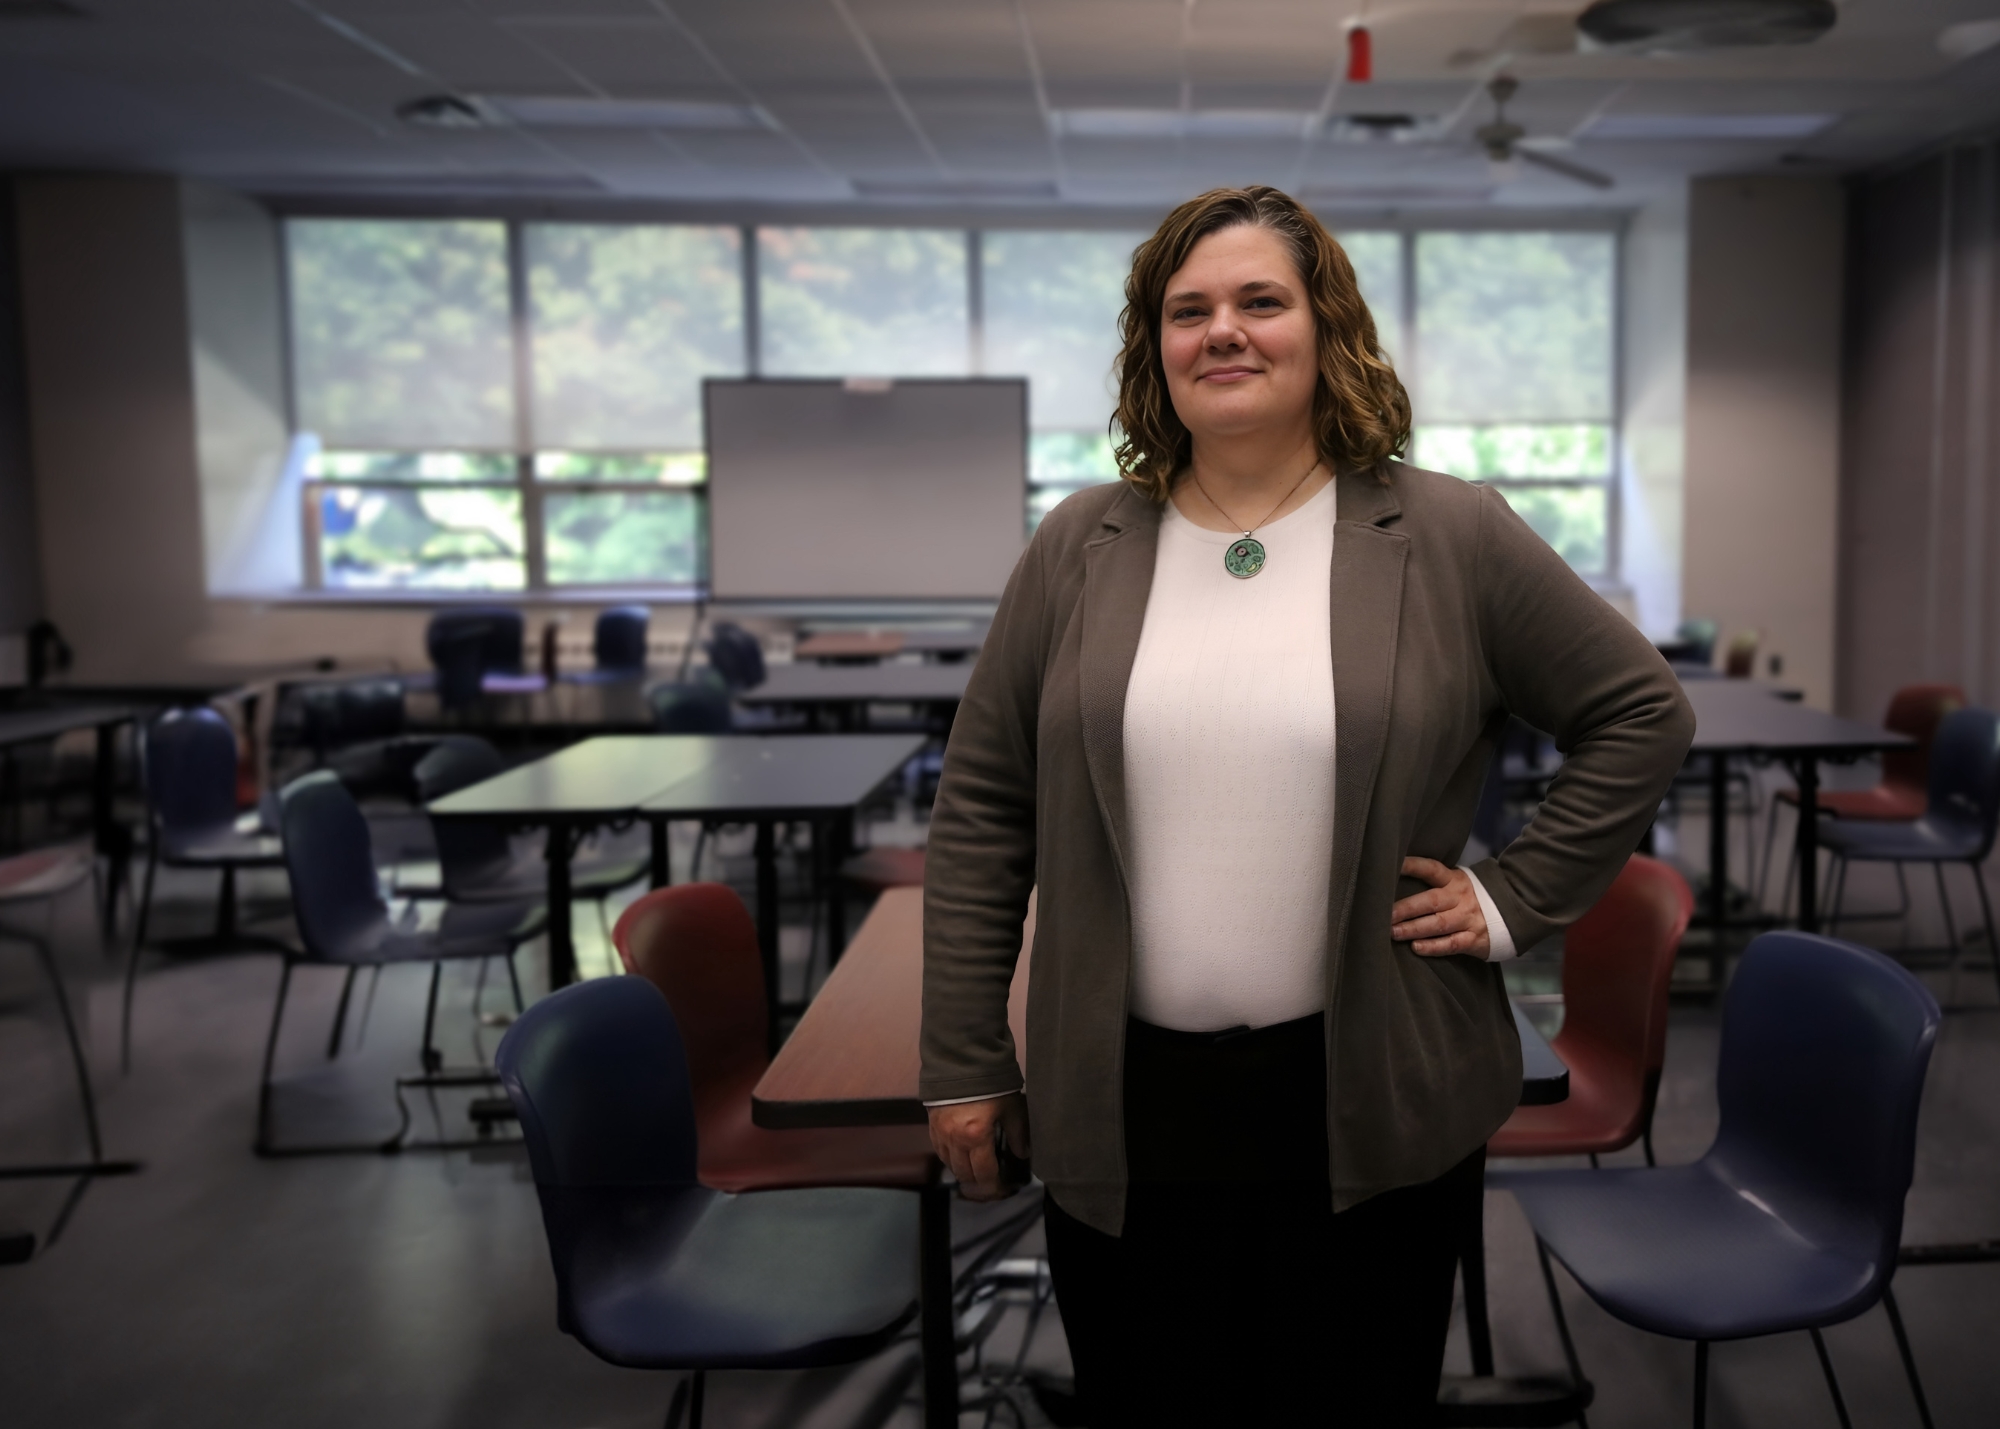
1243	558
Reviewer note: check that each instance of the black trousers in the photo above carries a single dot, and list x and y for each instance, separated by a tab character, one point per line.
1235	1296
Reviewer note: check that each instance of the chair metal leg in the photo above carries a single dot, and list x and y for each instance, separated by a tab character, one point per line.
340	1014
1700	1383
1986	912
1950	930
225	905
1562	1321
696	1398
1839	900
1832	1384
431	1060
77	1045
1770	843
677	1406
1909	1360
263	1141
132	963
146	894
514	980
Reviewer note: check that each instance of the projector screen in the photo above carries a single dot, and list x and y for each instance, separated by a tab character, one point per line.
865	488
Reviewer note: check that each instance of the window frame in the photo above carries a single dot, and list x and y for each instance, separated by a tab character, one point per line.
533	489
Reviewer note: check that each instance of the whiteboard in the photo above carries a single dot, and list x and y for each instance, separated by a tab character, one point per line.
865	489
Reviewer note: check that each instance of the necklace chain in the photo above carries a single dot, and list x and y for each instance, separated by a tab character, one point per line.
1247	530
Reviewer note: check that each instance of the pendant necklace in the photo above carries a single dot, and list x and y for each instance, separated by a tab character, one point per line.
1244	557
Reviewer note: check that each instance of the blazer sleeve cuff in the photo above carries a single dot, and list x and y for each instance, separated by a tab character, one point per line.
1500	943
1525	927
942	1091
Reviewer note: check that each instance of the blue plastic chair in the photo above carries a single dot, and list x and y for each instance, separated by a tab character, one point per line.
656	1271
343	921
1961	813
189	762
694	706
1792	1219
468	644
619	642
735	656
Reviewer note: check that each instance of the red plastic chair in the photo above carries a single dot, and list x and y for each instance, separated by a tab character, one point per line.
697	944
1618	960
1915	710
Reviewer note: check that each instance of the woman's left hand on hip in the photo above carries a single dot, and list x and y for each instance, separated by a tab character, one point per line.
1445	918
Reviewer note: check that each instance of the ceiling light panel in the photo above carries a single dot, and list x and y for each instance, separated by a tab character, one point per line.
1646	127
583	112
1291	124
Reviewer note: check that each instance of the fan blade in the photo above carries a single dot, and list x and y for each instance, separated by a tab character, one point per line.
1564	167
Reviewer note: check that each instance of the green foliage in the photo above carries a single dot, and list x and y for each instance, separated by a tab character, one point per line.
624	537
1052	302
383	538
627	321
885	302
400	332
1377	257
1477	453
1514	327
1570	518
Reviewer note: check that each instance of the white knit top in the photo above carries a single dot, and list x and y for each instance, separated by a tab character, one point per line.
1229	779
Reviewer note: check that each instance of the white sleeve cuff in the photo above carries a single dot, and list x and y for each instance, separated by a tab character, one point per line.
995	1096
1500	941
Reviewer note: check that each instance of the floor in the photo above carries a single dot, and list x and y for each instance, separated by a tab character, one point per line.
414	1292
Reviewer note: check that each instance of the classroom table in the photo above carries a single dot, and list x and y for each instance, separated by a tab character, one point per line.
1735	718
30	726
850	689
566	710
853	1061
850	645
661	777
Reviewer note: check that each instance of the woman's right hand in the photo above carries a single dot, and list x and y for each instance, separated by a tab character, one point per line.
963	1135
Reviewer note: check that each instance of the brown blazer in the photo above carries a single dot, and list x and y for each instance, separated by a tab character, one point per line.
1448	614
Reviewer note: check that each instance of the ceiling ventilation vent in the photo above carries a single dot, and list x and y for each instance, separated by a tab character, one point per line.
1682	25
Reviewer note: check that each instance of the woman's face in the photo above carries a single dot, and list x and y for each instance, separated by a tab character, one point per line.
1236	337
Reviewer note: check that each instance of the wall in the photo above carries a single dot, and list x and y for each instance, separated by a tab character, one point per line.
1920	600
1763	398
1652	464
117	489
20	563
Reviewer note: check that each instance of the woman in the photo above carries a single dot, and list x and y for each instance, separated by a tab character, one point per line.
1231	723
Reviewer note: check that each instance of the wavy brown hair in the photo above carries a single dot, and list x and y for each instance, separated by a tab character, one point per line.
1360	412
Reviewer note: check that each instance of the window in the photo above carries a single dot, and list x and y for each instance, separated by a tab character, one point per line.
515	406
1050	305
451	461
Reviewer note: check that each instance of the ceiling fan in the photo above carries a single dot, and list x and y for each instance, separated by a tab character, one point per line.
1508	145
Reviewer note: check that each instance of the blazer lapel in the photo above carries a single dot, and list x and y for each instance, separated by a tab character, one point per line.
1367	596
1117	580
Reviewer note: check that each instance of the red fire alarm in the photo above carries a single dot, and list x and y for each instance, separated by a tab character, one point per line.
1360	55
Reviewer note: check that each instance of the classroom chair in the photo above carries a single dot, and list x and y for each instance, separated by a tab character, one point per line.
1915	710
1791	1220
468	644
344	923
735	656
188	759
655	1270
697	705
1961	811
42	877
697	944
618	644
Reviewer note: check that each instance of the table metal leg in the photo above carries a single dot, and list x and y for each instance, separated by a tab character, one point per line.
767	922
839	830
562	947
1718	867
1805	773
663	871
105	833
936	1334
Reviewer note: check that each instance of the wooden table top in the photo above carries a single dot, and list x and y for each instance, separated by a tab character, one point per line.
811	683
849	645
853	1061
